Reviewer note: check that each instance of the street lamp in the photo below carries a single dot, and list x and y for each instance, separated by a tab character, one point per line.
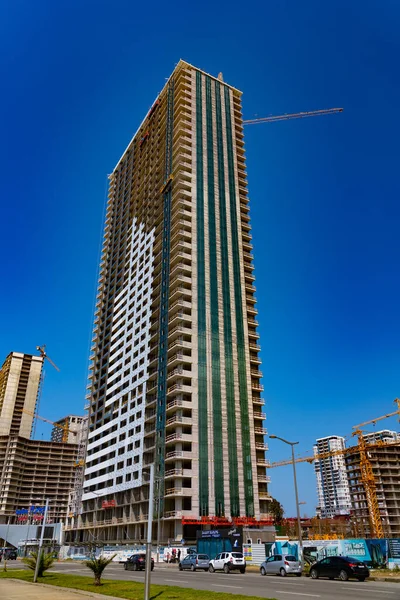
39	552
149	535
292	444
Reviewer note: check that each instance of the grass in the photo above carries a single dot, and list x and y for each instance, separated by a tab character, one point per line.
130	590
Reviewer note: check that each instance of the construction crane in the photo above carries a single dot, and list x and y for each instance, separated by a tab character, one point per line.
367	474
65	428
43	354
300	115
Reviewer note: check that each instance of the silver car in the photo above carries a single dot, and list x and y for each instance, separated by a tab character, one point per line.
195	561
281	565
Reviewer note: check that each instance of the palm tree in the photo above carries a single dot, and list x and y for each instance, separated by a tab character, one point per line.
45	562
97	565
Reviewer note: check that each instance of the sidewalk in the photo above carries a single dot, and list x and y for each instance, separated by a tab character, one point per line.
12	589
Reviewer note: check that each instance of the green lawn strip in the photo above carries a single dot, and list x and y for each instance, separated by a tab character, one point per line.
130	590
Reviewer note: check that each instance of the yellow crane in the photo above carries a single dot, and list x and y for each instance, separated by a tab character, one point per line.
64	427
367	474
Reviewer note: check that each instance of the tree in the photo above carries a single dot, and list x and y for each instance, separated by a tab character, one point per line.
97	565
45	562
276	510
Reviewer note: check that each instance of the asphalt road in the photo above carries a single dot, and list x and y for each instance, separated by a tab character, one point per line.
250	584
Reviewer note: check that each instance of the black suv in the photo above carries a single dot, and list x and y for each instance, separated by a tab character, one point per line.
342	567
137	562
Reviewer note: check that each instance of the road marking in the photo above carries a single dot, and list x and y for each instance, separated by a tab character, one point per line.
235	587
177	580
297	594
290	583
374	591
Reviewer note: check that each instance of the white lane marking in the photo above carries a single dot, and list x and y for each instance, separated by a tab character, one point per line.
297	594
177	580
235	587
288	582
363	589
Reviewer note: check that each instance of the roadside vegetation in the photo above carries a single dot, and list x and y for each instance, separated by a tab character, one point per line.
130	590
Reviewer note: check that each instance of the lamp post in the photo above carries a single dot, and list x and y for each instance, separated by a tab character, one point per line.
5	544
39	552
149	535
292	444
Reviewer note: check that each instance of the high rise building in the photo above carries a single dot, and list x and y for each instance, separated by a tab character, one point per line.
174	376
332	485
75	425
19	388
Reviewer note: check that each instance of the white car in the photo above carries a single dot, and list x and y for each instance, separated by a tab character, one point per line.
227	562
281	565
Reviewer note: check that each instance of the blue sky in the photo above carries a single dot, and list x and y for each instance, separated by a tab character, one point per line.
78	78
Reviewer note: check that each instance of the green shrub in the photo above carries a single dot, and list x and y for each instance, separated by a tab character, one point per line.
97	565
45	562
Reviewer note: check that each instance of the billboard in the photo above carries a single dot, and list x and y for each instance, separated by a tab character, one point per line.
376	553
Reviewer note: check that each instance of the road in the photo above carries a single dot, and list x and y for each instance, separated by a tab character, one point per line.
250	584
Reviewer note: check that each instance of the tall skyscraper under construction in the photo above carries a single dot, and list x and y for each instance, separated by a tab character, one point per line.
174	375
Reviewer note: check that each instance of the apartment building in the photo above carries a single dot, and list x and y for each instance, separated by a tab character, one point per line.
332	485
175	367
69	429
32	471
20	378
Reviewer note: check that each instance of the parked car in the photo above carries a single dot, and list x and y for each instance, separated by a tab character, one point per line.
342	567
195	561
8	554
227	562
137	562
281	565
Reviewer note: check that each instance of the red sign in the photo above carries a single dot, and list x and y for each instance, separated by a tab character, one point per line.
108	504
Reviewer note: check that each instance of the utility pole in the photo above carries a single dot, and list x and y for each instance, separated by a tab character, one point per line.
4	546
149	535
292	444
39	552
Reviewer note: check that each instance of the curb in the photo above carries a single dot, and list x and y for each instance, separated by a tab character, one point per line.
66	589
388	579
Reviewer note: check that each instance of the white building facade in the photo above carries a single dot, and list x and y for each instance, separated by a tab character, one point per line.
332	484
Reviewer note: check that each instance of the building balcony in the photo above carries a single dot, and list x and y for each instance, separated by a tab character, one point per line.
261	446
256	373
259	415
172	473
177	404
263	479
260	430
258	401
255	359
264	496
262	462
178	373
178	455
178	419
257	386
178	491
